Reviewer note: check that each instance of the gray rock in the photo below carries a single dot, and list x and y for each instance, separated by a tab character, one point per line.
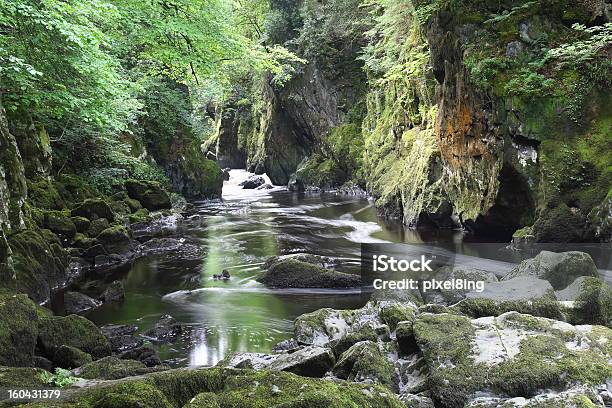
166	330
114	292
310	361
79	303
521	288
514	49
560	269
291	273
252	182
364	362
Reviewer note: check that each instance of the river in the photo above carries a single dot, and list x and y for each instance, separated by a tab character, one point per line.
239	233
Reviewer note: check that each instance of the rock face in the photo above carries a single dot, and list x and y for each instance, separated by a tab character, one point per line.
292	273
560	269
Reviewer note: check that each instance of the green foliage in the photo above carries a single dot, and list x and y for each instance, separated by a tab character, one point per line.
62	378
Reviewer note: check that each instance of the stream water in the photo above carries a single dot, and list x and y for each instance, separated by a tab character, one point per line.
239	233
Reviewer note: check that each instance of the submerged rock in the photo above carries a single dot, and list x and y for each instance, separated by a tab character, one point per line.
291	273
322	261
560	269
252	182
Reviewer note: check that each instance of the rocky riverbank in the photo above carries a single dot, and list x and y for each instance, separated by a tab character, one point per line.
545	346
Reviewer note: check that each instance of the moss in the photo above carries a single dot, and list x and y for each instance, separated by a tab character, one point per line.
111	368
365	333
150	194
81	224
43	194
14	378
94	209
75	331
480	307
115	239
394	313
404	334
97	226
204	400
559	225
134	205
18	330
141	215
594	303
297	274
365	362
70	357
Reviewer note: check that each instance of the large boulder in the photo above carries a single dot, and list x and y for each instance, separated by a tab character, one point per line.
75	331
115	239
292	273
525	294
513	355
364	362
560	269
70	357
18	330
150	194
60	225
310	361
93	209
449	273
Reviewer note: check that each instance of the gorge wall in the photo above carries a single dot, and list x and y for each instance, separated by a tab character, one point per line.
489	116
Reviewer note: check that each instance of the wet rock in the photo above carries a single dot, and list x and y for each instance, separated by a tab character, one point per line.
291	273
144	354
575	397
166	330
113	368
365	333
113	263
560	269
18	330
252	182
75	331
43	362
121	337
364	362
523	238
253	361
266	186
79	303
310	361
114	293
150	194
514	355
70	357
93	209
83	242
413	374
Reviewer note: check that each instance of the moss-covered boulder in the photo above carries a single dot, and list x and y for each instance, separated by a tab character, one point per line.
560	224
70	357
150	194
39	262
80	223
18	330
60	225
590	299
310	361
560	269
115	239
513	355
394	312
364	362
113	368
232	388
22	377
97	226
576	397
292	273
525	294
75	331
404	334
92	209
133	205
449	273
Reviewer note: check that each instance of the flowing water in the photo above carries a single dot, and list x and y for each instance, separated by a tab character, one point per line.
239	233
